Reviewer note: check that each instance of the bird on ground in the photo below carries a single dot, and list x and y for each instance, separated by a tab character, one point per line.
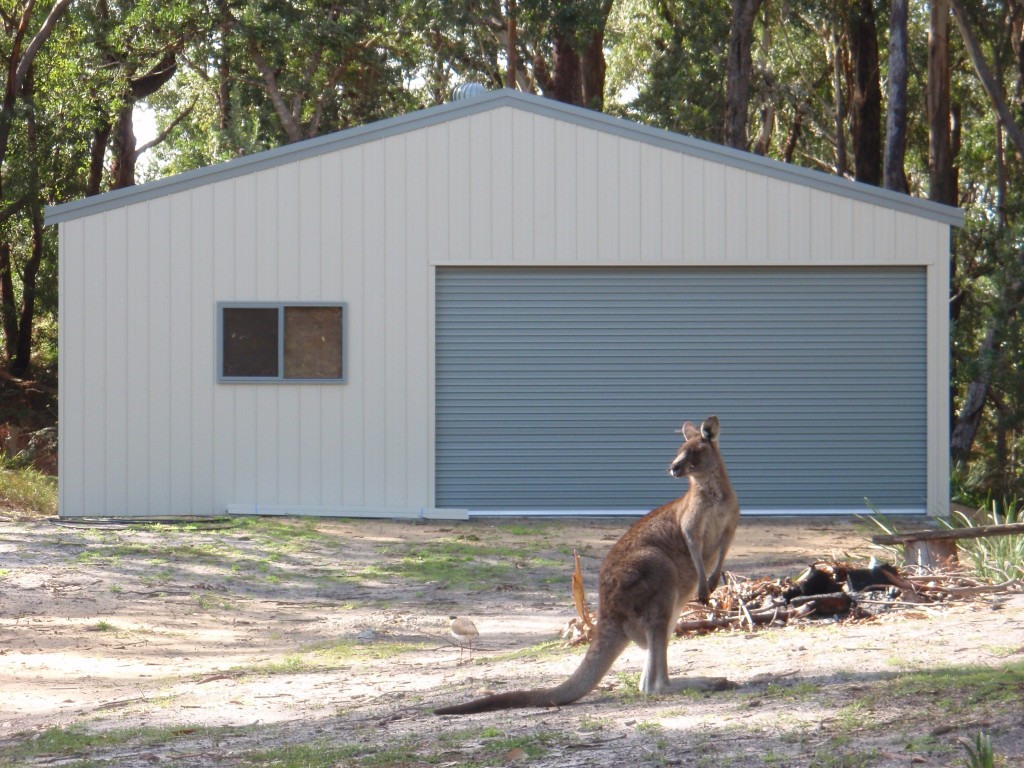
465	632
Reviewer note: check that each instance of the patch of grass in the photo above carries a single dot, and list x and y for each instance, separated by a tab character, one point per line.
319	755
527	529
535	745
961	689
323	656
630	685
75	741
462	560
211	602
288	534
547	649
28	492
341	651
843	758
649	726
589	724
4	573
103	626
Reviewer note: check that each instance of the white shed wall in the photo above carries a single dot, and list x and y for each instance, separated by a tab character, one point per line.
147	430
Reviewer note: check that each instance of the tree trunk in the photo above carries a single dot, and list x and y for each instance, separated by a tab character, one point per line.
764	139
738	67
567	81
896	116
594	69
21	364
941	186
989	83
513	41
8	306
969	418
867	94
124	156
840	106
794	135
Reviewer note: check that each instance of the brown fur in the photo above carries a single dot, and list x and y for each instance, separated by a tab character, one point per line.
657	566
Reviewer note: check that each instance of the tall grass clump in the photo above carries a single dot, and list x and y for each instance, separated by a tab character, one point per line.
980	753
27	492
995	558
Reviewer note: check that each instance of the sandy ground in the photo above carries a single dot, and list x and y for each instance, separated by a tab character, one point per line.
326	640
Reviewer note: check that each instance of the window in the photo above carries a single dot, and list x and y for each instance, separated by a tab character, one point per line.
262	342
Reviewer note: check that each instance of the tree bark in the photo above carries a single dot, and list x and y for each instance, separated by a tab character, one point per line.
578	67
840	107
941	186
7	301
988	81
738	68
122	168
566	83
594	69
896	116
513	41
867	94
969	418
21	365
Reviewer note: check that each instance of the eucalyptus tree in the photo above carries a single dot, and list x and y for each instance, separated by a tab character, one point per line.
665	64
135	48
989	285
28	31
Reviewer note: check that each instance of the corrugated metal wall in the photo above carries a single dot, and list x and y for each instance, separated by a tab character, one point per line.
559	388
146	429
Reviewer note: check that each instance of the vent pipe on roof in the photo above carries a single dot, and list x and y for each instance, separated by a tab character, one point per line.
468	91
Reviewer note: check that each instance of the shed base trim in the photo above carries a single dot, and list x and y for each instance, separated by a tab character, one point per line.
391	513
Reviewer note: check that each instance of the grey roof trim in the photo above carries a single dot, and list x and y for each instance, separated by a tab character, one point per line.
493	100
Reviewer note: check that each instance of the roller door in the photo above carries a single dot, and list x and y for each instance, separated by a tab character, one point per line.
559	389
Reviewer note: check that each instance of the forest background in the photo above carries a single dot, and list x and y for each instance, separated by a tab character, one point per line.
925	98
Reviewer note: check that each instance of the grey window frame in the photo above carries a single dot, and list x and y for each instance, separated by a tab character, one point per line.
280	306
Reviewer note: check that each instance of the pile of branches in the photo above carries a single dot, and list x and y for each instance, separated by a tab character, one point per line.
829	589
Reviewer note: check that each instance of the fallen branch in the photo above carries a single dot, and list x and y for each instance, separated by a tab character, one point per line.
737	618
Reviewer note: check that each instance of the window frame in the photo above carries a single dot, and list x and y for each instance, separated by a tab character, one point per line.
281	307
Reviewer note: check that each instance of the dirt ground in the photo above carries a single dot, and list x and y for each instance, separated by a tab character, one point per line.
324	643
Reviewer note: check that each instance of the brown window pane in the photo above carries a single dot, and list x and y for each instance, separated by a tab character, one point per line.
250	342
312	343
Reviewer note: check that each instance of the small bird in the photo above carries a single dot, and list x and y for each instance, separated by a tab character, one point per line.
465	632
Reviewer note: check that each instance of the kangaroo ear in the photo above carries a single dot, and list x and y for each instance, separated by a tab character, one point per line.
710	430
689	431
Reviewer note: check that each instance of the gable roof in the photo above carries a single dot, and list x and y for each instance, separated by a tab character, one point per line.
493	100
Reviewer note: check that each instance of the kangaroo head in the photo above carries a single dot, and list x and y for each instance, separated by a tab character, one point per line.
699	452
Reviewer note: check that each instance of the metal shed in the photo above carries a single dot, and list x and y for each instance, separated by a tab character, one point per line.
500	305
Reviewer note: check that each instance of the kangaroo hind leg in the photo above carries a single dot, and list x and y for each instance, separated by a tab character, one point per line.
655	678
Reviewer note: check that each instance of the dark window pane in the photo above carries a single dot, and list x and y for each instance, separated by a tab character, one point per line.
250	342
312	343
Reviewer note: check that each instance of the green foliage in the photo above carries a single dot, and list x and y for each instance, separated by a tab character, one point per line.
665	66
28	492
995	558
229	79
980	753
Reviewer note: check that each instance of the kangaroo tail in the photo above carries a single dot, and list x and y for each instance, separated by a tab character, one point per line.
602	653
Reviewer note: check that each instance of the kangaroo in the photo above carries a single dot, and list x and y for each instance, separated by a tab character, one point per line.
657	566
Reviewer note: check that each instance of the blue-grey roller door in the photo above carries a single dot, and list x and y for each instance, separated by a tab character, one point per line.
559	389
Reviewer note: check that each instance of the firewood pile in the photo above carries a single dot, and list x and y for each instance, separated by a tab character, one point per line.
826	589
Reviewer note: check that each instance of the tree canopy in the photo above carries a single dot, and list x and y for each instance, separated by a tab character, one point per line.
926	98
